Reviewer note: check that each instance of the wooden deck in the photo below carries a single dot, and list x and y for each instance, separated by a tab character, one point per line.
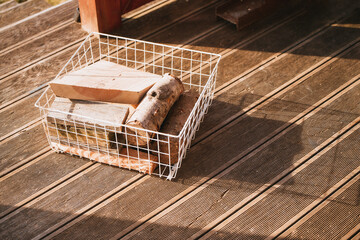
277	156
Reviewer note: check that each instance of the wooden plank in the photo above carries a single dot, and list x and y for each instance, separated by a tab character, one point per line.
22	146
156	197
21	11
4	6
18	115
70	197
86	124
36	23
340	211
353	233
96	113
192	170
272	160
300	191
280	179
105	81
45	71
61	165
261	82
33	51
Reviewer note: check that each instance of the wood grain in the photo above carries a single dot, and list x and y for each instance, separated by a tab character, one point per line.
94	125
173	124
6	5
14	33
105	81
39	48
23	10
207	157
130	159
152	110
160	191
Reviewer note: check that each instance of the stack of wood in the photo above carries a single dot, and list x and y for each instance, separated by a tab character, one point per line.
92	105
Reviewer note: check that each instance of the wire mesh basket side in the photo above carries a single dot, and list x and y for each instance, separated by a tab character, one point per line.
109	143
196	116
119	144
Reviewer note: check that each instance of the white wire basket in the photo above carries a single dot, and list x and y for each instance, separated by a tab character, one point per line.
107	142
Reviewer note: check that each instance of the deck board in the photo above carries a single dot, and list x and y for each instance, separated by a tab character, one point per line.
6	5
267	79
32	25
341	212
288	200
260	91
197	166
61	165
39	48
44	71
19	114
247	178
22	146
66	200
21	11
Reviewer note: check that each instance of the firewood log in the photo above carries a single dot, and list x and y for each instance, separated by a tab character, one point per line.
86	124
153	109
105	81
173	124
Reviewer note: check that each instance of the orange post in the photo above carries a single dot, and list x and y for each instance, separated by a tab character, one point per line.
105	15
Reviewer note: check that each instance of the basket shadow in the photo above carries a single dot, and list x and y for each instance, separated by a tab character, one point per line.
94	227
260	146
234	141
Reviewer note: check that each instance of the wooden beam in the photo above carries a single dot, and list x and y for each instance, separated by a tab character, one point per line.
67	126
104	16
105	81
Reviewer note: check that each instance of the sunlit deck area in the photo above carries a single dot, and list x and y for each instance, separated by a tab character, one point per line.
276	156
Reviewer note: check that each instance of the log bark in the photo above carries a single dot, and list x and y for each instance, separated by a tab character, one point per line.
141	162
173	124
153	109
